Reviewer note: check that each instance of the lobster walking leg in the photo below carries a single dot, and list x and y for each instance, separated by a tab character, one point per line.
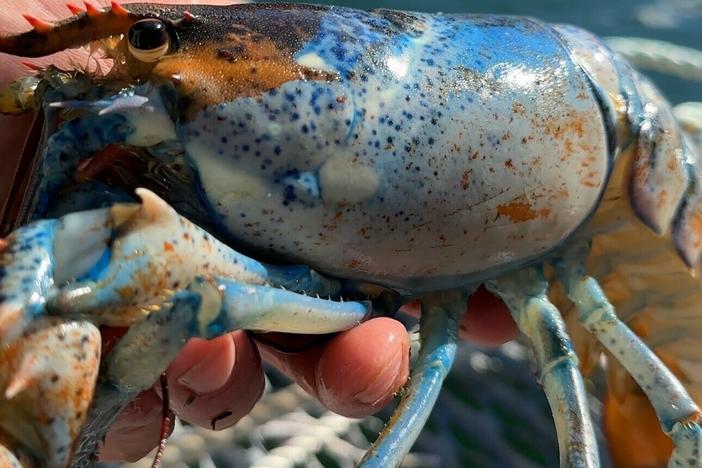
439	331
676	411
524	292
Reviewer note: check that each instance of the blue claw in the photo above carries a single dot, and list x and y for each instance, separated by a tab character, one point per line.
208	308
153	253
26	275
41	256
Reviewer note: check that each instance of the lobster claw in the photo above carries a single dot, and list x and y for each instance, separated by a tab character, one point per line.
47	378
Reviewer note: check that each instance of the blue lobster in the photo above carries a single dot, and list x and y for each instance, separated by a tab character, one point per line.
380	156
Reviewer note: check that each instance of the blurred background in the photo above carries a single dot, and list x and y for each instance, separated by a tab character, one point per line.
492	412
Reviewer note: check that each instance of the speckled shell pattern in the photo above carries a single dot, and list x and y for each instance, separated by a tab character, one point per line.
438	150
392	152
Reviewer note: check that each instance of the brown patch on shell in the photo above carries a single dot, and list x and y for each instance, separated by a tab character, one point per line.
244	66
519	211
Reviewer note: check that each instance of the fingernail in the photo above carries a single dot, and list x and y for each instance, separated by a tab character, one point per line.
383	383
204	377
222	421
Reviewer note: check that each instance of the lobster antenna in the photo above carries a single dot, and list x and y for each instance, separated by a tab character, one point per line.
165	422
86	25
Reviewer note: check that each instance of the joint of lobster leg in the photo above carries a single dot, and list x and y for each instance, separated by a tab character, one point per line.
667	395
687	436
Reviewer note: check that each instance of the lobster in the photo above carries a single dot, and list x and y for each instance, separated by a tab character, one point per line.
287	152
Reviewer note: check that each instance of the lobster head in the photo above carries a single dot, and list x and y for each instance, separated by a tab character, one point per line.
206	54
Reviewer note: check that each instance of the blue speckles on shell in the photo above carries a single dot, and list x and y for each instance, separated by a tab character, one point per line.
26	272
432	124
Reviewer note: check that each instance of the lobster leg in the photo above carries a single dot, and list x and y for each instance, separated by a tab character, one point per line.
524	292
439	331
677	412
206	309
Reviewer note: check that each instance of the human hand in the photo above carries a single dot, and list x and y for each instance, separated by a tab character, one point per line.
215	383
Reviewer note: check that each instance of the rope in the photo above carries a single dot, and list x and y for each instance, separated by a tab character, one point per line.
660	56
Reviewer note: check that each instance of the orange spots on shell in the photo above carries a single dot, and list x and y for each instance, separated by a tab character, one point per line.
354	264
588	160
168	247
662	198
518	211
672	162
568	145
695	226
591	180
334	223
125	292
465	179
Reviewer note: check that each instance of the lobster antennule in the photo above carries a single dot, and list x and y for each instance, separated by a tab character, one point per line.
46	38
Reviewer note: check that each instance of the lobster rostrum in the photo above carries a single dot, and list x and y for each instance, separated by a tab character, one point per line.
379	157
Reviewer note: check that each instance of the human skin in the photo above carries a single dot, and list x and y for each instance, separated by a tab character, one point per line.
354	373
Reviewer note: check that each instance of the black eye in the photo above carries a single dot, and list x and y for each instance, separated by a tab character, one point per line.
148	34
149	40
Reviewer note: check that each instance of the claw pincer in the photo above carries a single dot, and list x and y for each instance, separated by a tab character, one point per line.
371	159
47	377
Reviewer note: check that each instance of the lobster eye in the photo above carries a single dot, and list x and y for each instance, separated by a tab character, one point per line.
149	40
